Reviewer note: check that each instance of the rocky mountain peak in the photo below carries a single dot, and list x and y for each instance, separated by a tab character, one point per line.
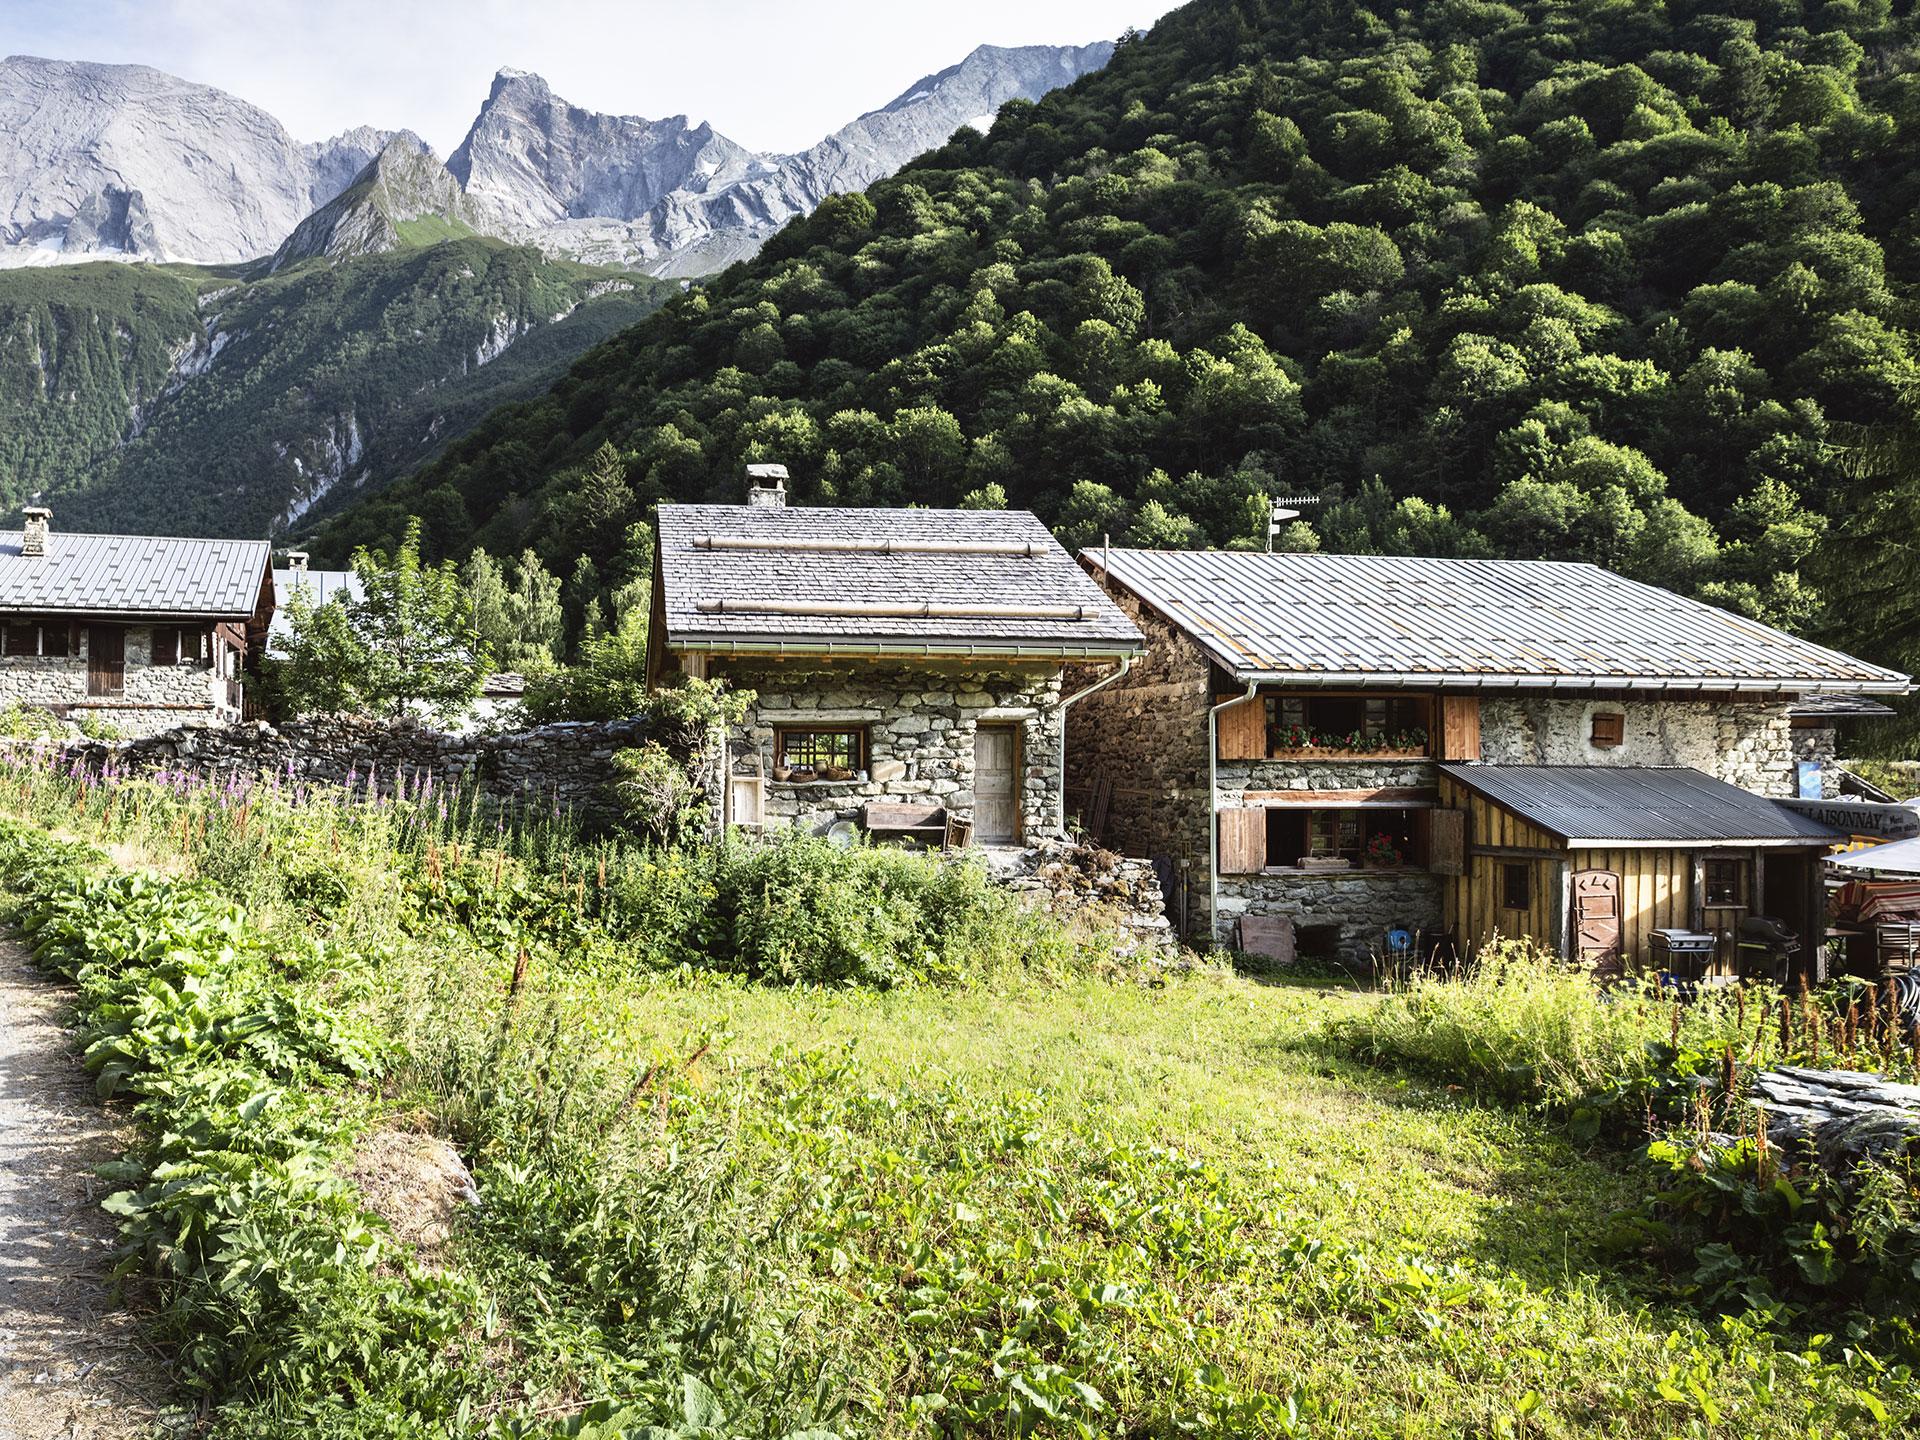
404	196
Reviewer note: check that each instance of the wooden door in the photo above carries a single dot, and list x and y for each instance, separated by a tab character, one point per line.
106	660
1596	918
996	784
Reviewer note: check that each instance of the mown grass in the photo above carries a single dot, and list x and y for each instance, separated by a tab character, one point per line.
1033	1202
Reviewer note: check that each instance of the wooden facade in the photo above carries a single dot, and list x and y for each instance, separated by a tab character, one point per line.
1658	887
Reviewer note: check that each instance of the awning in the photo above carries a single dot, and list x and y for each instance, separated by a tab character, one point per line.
1902	857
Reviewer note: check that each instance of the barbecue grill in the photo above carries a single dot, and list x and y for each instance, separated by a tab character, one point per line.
1682	954
1766	948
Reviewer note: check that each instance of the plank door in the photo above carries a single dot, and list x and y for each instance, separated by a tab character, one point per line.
1596	917
996	784
106	660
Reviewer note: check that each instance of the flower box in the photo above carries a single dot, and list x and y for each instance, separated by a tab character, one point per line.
1324	752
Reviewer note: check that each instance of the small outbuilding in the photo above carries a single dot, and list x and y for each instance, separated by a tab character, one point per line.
1597	861
908	665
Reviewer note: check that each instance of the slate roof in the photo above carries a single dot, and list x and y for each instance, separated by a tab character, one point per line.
1611	803
1838	707
1511	624
699	581
133	575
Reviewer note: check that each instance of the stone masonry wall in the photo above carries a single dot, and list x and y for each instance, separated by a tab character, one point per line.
919	720
1821	745
156	698
1361	904
566	765
1746	743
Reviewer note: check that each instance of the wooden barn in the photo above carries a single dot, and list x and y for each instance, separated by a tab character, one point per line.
1593	860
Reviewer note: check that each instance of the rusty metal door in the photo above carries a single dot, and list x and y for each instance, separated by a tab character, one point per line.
996	784
106	661
1596	917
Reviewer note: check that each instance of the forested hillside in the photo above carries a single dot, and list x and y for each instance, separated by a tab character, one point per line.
187	401
1574	279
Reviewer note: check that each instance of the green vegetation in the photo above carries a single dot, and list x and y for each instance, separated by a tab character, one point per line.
407	641
1021	1188
1581	280
329	378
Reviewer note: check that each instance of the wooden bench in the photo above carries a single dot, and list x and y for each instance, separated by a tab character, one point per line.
908	824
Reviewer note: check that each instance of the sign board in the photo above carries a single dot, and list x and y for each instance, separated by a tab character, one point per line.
1861	817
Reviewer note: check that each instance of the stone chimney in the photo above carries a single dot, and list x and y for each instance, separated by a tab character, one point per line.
297	563
767	486
33	534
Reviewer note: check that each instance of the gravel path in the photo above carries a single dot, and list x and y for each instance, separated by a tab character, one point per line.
71	1366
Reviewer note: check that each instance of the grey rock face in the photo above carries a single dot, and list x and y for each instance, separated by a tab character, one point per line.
406	182
676	199
104	160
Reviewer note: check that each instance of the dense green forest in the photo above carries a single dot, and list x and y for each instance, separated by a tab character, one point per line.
190	401
1568	278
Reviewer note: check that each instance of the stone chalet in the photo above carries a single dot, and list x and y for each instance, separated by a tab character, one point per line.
1322	750
906	662
148	633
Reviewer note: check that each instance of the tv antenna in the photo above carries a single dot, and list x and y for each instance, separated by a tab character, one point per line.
1286	508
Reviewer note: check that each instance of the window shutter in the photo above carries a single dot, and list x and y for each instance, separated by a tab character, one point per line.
1459	727
166	645
1447	842
1243	841
1243	730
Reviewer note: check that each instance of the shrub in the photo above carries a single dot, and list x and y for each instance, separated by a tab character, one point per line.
656	795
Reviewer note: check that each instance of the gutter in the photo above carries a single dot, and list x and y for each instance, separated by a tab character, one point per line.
1582	684
725	645
1126	664
1213	807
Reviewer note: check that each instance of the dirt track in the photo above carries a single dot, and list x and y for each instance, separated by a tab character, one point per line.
71	1365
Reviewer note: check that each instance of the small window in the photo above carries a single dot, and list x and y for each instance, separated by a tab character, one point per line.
23	638
1516	887
1723	883
192	646
166	645
1609	730
820	750
56	638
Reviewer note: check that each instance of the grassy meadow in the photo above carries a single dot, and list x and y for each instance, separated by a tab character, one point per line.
1041	1190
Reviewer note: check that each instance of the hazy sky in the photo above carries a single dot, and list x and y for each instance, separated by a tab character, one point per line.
770	75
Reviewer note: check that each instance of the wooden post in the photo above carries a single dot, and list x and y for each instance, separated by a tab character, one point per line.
1697	899
1563	927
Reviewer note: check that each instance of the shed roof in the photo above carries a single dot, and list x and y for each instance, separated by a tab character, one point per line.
134	575
1510	624
1612	804
1838	707
924	582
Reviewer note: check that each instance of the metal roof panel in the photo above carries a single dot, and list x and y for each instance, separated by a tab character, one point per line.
1637	803
133	575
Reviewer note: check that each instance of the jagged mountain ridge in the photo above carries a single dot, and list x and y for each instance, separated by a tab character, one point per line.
404	195
122	161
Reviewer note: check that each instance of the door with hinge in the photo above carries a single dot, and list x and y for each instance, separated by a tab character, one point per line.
1596	918
106	661
996	784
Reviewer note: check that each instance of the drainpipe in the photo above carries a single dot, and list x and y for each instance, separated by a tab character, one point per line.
1213	807
1126	664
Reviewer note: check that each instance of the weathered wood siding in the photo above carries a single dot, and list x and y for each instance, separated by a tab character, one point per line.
1656	893
1475	901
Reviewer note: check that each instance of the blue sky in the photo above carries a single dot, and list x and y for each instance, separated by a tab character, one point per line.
769	75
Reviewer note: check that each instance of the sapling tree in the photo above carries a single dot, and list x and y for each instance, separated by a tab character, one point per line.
405	643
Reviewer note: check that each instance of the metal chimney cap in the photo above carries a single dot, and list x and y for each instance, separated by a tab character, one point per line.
767	472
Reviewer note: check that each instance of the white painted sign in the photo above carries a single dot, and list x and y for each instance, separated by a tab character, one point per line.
1861	817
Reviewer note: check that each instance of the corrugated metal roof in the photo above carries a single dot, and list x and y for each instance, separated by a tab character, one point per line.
1395	620
133	575
1633	803
696	578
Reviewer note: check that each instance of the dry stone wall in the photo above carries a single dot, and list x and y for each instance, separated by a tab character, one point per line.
569	766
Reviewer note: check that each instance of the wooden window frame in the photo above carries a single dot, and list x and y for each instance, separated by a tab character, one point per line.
1342	823
1608	731
163	646
785	735
56	640
1516	886
1287	709
1728	874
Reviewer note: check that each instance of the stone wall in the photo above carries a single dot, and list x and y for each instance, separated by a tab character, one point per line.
570	765
1821	745
1745	743
1361	904
155	698
1067	879
919	720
